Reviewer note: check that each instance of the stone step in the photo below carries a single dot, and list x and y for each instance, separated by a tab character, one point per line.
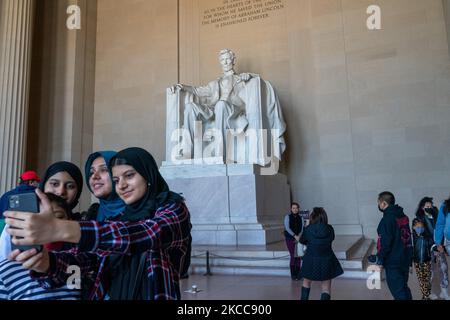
264	271
250	271
363	250
255	262
345	246
284	263
241	254
370	245
222	262
352	252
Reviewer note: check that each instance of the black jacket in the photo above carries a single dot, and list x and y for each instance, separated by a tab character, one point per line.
295	223
318	239
394	239
422	248
91	213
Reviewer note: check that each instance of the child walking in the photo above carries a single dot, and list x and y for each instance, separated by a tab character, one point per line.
320	262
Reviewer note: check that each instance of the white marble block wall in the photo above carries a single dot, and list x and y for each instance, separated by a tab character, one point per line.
231	205
206	198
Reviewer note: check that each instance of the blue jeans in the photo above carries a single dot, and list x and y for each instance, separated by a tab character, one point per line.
397	281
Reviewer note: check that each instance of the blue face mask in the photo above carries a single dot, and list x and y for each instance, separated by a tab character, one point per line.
419	230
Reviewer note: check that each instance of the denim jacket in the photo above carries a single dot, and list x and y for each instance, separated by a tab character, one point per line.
442	227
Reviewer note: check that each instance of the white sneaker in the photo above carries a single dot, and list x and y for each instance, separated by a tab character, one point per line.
433	297
444	294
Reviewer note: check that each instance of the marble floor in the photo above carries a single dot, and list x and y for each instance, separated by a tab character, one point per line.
225	287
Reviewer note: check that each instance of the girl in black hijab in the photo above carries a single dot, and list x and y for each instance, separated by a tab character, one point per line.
157	191
129	278
63	179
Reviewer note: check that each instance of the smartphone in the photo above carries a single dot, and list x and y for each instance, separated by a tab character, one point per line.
304	214
25	202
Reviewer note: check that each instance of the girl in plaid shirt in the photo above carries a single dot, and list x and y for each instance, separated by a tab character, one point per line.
135	256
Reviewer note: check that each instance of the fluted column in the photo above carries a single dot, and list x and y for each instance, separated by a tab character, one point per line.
16	24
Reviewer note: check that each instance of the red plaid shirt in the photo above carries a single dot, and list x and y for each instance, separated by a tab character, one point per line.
164	238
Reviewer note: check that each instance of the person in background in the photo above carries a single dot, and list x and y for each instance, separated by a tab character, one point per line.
395	250
28	181
422	257
442	239
427	213
320	262
293	227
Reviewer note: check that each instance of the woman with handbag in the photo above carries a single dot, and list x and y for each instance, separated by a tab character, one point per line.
293	227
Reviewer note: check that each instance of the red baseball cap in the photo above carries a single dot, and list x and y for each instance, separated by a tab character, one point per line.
29	176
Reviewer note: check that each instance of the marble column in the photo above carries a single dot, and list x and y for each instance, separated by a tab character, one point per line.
16	24
446	4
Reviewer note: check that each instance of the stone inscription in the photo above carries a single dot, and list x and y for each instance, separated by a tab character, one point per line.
232	12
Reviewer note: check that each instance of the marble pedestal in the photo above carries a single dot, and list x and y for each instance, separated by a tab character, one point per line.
231	204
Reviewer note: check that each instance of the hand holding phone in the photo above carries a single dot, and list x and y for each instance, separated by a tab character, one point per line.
25	202
38	262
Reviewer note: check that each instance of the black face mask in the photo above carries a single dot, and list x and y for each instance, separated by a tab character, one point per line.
379	209
429	210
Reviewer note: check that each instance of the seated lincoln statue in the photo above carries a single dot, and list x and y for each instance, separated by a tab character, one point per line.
239	115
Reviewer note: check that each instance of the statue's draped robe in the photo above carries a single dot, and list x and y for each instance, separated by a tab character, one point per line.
250	106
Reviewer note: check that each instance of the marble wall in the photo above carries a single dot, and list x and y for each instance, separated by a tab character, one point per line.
399	104
1	42
62	86
446	4
136	61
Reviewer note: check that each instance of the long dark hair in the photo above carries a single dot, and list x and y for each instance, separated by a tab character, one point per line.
420	212
318	215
